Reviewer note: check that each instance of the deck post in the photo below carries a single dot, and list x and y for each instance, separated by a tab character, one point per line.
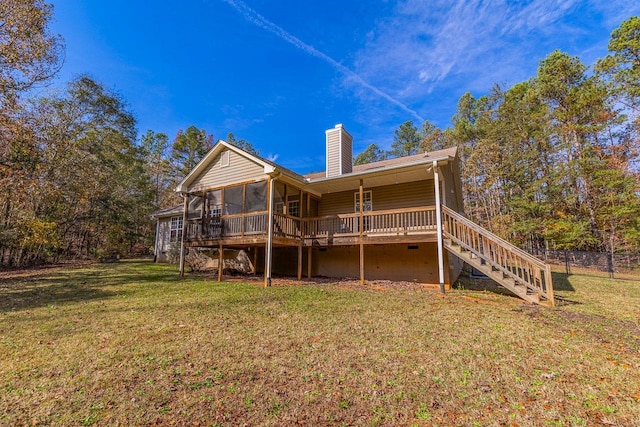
436	179
300	260
309	248
302	214
269	248
185	215
361	227
548	279
155	245
255	259
220	261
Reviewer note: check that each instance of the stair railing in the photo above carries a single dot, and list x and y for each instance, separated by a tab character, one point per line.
513	262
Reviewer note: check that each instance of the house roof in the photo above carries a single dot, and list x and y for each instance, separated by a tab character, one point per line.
270	167
385	172
392	163
172	211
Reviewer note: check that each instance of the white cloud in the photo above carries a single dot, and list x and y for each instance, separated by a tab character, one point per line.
472	44
262	22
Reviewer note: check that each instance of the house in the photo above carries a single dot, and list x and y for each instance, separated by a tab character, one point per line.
397	219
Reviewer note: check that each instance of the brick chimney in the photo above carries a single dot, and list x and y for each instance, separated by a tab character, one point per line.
339	151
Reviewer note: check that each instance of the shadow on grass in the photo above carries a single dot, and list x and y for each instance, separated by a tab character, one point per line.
42	288
560	283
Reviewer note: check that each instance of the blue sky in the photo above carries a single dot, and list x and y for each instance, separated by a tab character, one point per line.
279	73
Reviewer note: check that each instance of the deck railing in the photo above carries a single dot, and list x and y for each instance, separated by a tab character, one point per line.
286	226
374	223
235	225
515	263
383	222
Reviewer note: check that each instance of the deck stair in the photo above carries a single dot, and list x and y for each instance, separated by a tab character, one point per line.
509	266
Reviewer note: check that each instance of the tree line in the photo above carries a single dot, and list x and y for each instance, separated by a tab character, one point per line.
551	161
77	181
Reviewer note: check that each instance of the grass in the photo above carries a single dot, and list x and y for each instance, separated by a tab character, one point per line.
133	344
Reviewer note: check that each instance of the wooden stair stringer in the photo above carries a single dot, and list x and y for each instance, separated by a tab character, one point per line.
493	272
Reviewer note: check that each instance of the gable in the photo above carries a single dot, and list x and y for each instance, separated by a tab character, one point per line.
228	167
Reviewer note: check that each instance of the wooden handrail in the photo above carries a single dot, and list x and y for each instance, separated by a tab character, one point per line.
515	263
494	237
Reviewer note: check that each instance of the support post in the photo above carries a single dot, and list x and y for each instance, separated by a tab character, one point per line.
155	246
185	215
220	262
300	260
302	214
309	252
269	245
361	227
255	259
436	179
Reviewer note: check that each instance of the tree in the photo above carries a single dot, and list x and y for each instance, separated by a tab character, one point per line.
371	154
622	65
241	143
406	140
433	138
29	53
84	191
154	148
188	148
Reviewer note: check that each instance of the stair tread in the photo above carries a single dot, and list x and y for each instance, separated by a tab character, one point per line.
496	273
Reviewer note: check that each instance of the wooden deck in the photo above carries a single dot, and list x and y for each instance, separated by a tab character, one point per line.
375	227
521	273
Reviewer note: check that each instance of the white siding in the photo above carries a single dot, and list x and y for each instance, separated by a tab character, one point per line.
339	151
164	234
333	154
240	169
346	146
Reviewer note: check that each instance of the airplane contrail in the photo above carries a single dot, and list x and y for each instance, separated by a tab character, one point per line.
262	22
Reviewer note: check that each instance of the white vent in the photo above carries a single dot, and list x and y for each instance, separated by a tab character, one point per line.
339	151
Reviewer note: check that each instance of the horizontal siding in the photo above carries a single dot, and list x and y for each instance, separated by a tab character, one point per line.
399	196
381	262
164	234
240	169
333	154
347	153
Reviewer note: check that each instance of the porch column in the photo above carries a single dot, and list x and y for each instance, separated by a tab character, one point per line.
269	245
361	227
300	237
185	215
309	248
436	183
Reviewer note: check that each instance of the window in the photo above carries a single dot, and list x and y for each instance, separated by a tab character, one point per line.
293	208
367	206
176	229
214	203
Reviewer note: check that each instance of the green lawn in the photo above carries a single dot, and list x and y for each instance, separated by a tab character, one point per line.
133	344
